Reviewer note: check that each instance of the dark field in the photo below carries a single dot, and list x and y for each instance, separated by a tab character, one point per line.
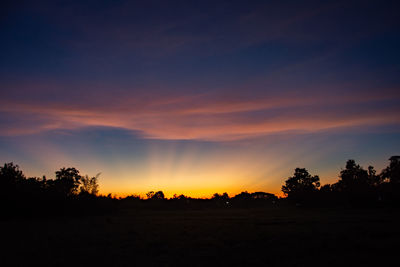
273	236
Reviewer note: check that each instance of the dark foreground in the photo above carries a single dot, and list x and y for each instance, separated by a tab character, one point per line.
274	236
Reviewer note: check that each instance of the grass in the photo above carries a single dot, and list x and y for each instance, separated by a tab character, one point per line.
274	236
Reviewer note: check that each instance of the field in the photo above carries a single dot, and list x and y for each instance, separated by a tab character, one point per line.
273	236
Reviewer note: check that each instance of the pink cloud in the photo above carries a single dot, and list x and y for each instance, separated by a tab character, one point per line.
205	116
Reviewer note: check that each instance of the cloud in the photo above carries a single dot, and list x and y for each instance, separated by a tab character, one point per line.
208	116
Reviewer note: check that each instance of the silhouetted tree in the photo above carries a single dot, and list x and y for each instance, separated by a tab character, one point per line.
89	185
389	189
353	178
33	187
133	197
327	188
301	185
223	196
263	195
150	194
158	195
180	197
373	179
392	172
31	196
11	178
155	195
67	182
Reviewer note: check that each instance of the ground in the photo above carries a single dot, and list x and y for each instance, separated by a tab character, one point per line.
272	236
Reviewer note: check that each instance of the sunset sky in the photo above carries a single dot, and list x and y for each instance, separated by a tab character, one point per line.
198	97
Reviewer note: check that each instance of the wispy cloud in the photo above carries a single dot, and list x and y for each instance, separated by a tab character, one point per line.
206	116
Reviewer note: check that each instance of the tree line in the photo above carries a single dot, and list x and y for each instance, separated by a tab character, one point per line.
355	185
68	183
70	190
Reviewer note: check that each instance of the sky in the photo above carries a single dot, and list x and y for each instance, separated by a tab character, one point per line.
198	97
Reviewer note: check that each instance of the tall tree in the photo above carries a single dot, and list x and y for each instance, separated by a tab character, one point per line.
353	178
89	185
11	178
301	184
67	181
392	172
